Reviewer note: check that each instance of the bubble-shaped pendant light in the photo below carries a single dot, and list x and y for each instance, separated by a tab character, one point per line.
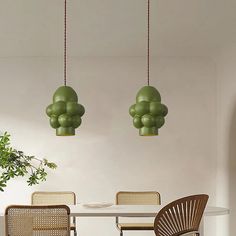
148	112
65	112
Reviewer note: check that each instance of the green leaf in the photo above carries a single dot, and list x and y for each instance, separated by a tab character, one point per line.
15	163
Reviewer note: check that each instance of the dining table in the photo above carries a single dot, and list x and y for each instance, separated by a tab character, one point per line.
80	210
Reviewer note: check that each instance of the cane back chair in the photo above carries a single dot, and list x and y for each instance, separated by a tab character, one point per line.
37	220
56	198
180	217
136	198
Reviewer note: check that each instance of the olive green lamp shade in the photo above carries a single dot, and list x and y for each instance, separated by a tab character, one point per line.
65	112
148	113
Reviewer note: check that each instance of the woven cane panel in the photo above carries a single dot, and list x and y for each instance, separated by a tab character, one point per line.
53	198
37	222
181	216
138	198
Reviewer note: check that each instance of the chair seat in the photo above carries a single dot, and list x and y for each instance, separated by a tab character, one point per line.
135	226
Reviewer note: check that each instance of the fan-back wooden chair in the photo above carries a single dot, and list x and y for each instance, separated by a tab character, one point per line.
56	198
180	217
136	198
37	220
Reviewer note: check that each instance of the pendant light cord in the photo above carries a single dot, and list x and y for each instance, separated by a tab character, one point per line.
148	42
65	42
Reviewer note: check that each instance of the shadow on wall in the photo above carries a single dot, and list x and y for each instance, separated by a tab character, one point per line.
232	172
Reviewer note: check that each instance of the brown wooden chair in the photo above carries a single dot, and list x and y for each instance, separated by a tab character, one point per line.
37	220
181	216
136	198
56	198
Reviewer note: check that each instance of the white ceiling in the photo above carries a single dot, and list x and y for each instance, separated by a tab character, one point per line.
115	27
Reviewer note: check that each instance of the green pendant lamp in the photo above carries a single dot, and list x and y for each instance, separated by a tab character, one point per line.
65	112
148	112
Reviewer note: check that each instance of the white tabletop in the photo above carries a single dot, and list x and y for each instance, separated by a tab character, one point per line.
216	211
116	210
128	211
133	211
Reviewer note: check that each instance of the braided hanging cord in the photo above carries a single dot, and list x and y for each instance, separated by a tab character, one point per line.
148	41
65	42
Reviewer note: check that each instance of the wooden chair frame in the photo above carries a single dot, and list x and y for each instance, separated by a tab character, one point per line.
181	216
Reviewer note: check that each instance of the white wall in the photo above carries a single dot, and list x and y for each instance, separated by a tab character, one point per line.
226	113
107	155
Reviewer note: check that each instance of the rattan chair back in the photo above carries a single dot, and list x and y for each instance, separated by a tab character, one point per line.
138	198
37	220
181	216
53	198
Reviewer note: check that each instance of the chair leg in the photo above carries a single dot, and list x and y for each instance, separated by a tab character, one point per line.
121	233
74	222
